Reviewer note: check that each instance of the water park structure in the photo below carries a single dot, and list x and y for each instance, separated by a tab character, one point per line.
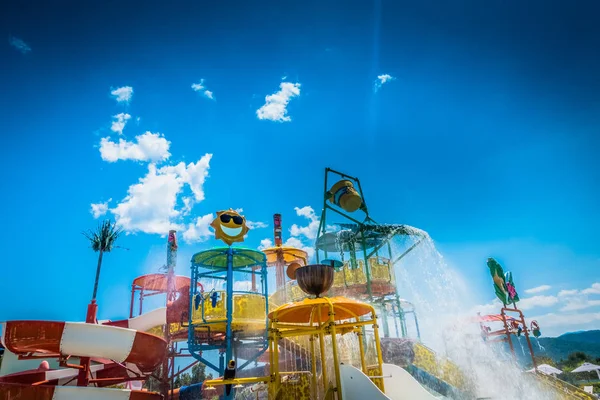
272	324
514	326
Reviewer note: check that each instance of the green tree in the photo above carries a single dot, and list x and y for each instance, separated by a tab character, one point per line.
539	360
102	240
197	375
573	361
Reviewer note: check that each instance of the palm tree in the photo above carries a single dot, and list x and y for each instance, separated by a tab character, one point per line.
102	240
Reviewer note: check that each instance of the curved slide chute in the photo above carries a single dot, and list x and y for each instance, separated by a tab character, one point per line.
144	322
112	346
399	385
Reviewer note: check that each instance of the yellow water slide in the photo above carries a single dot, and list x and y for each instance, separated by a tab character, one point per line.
562	389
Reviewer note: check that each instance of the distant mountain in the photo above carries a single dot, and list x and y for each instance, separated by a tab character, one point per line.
582	336
560	347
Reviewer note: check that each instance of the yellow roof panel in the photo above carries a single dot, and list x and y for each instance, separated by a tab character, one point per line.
301	311
288	254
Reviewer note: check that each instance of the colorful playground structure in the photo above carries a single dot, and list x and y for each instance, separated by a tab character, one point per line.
514	326
270	323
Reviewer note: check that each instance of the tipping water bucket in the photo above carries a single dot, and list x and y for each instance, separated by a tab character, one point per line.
344	195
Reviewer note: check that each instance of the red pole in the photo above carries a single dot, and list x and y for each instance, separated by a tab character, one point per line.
277	229
84	362
132	300
279	272
512	349
526	331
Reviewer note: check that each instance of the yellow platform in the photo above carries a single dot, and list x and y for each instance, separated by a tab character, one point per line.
248	314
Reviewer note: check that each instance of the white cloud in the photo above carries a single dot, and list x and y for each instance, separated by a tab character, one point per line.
538	289
571	292
265	244
301	233
100	209
381	80
256	225
486	309
594	289
309	231
579	303
537	301
151	205
122	94
199	87
299	244
120	120
570	320
188	203
149	146
199	231
19	44
275	105
525	304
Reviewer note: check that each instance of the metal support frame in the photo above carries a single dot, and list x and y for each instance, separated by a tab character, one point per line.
503	312
315	330
226	346
322	229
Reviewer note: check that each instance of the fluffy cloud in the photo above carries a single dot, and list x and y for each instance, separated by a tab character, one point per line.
381	80
200	230
525	304
275	107
594	289
579	303
119	122
485	309
570	292
265	244
256	225
309	231
149	146
574	300
122	94
537	301
568	300
572	321
19	44
199	87
301	236
151	205
99	209
538	289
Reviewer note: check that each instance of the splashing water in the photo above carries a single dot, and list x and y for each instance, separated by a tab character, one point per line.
442	299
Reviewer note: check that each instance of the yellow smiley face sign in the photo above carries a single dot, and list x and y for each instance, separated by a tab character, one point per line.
230	226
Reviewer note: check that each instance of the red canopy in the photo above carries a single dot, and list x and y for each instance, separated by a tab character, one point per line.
158	282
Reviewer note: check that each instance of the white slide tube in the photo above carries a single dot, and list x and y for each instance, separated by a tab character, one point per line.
399	385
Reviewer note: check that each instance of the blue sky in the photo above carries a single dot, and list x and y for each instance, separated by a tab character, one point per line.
485	135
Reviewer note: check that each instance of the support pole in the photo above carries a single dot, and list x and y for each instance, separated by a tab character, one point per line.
334	347
132	300
507	332
229	305
384	318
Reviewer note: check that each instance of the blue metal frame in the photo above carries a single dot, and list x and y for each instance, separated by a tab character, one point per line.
225	272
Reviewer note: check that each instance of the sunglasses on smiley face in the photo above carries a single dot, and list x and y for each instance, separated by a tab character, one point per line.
225	218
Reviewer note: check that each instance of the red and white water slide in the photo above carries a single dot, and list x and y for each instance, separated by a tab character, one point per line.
121	354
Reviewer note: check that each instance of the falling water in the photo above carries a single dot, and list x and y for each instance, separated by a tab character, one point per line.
442	299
